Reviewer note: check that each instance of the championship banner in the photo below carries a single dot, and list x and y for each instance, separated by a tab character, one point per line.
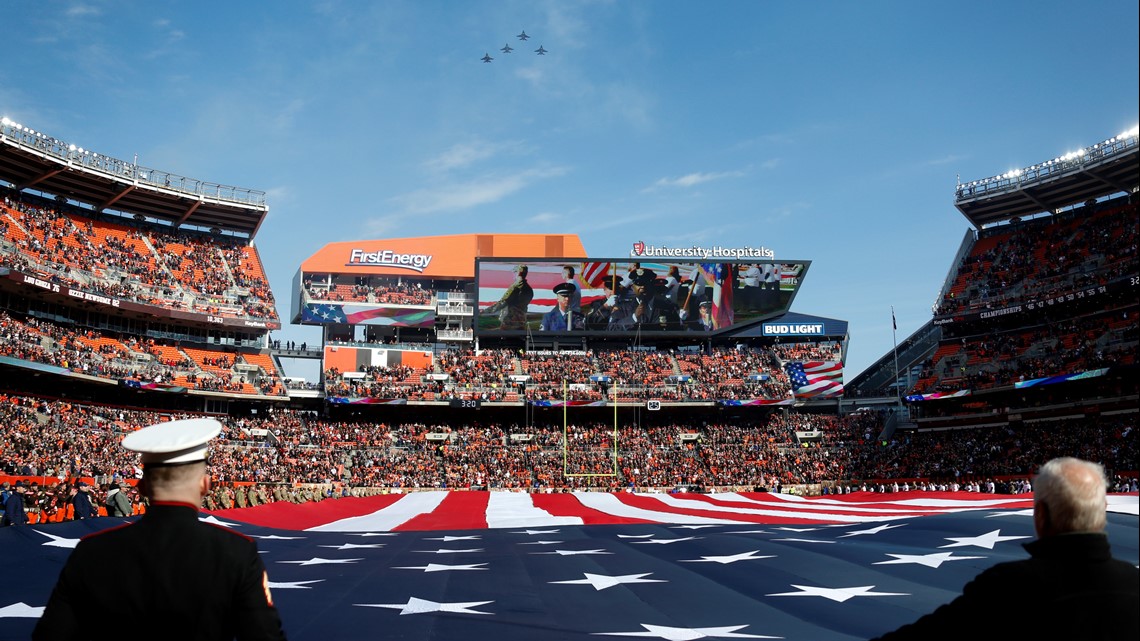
154	387
755	402
568	403
347	400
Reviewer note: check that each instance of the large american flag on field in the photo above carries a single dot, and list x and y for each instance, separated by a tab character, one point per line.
441	566
815	379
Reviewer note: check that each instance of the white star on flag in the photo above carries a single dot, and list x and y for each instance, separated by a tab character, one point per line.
292	585
57	541
449	539
370	533
837	594
688	634
541	542
319	561
423	606
574	552
635	536
602	581
874	530
277	537
532	532
729	558
20	610
440	567
929	560
449	551
691	527
354	546
668	541
799	530
987	540
213	520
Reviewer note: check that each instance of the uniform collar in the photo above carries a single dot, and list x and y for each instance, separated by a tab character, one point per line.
1092	546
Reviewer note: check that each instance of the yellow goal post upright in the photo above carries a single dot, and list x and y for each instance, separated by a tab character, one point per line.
566	439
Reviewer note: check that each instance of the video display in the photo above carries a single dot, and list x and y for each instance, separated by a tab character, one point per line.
518	296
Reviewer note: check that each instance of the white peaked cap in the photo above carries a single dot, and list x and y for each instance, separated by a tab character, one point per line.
173	441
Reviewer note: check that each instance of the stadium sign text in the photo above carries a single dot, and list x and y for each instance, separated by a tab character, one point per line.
773	329
641	250
95	298
389	258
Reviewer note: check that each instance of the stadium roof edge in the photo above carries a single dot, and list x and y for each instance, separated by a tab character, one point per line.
1103	169
31	160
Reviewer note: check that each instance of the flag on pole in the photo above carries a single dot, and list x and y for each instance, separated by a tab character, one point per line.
594	275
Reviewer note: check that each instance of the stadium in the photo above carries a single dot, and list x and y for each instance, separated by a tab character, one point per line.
477	369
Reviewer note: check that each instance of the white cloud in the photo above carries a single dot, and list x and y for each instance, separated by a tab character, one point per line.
460	196
80	10
694	179
463	154
544	217
381	226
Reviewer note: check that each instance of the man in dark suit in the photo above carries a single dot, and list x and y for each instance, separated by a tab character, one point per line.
563	317
1069	588
174	577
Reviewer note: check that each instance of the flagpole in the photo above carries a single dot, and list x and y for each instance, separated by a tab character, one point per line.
895	340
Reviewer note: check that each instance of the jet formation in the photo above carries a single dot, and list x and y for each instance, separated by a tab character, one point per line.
507	48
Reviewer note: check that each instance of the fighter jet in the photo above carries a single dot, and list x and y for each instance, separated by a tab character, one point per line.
540	51
487	57
507	48
522	36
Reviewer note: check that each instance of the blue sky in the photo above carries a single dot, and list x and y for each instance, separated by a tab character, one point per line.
827	131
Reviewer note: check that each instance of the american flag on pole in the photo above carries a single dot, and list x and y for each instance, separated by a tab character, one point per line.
594	275
815	379
512	566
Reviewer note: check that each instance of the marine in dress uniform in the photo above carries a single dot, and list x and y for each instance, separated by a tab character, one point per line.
175	577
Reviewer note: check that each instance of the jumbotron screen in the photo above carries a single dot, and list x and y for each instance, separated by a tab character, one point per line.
576	296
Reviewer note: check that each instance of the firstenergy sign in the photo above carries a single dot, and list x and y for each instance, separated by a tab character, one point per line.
388	258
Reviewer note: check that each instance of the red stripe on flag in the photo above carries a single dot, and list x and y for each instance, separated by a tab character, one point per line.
457	511
569	505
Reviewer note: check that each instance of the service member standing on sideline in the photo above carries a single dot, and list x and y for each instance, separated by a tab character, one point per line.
174	577
1069	588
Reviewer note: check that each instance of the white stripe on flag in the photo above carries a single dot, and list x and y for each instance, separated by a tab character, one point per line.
688	504
516	509
608	503
389	518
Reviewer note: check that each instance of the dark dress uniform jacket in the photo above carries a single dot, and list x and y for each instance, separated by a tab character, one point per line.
166	576
1071	589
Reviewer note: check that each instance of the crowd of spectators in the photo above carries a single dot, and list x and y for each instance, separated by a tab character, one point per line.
108	355
1045	257
739	373
1071	258
58	442
1002	358
211	275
